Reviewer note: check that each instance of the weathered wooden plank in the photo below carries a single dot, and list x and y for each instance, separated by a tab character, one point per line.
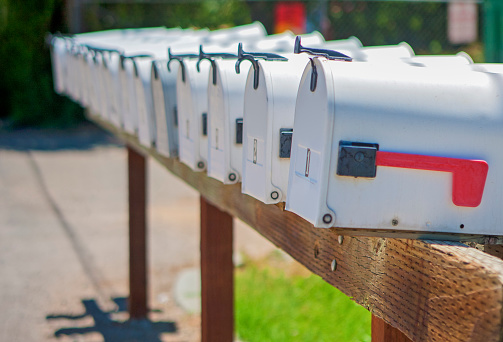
217	275
137	235
383	332
429	290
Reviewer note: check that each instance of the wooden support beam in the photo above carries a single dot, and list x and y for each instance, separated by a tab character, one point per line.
383	332
137	235
217	275
430	290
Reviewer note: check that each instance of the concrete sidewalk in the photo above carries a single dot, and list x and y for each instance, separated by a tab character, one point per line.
63	241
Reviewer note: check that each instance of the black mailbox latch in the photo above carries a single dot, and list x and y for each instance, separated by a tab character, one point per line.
239	131
357	159
285	142
205	123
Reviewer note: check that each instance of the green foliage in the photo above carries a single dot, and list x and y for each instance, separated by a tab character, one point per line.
26	92
274	307
25	77
207	13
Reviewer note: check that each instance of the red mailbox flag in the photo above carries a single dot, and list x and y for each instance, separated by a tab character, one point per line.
290	16
468	176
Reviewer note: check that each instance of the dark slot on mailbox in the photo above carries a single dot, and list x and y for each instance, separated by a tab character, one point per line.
239	131
285	142
357	159
205	123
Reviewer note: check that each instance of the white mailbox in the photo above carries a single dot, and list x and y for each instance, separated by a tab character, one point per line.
269	108
397	147
192	112
163	83
226	92
269	111
58	46
384	53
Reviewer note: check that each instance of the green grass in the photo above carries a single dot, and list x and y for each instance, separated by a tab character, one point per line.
274	305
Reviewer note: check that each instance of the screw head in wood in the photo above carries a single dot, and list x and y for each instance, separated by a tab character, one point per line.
333	266
340	239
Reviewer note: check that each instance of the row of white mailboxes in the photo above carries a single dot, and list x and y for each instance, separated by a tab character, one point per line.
401	142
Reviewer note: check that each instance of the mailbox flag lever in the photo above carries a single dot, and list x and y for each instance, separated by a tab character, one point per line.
468	176
252	57
211	57
179	58
329	54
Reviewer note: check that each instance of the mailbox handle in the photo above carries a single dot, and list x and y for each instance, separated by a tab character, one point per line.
132	58
179	58
211	57
263	55
100	51
252	57
329	54
468	176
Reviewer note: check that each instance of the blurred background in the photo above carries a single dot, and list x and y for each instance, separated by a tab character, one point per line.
430	27
63	200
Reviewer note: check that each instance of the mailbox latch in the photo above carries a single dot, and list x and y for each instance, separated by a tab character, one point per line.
357	159
205	123
285	142
239	131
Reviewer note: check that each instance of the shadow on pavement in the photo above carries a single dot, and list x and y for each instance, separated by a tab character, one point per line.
84	137
114	331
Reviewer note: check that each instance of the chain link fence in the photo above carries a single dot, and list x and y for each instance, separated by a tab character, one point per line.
422	24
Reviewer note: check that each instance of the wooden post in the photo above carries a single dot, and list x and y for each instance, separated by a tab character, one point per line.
383	332
137	235
217	275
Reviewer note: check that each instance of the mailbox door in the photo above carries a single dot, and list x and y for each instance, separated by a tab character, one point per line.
311	144
286	80
114	90
86	79
144	101
268	122
58	50
128	99
191	100
225	114
164	96
257	122
93	85
103	83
